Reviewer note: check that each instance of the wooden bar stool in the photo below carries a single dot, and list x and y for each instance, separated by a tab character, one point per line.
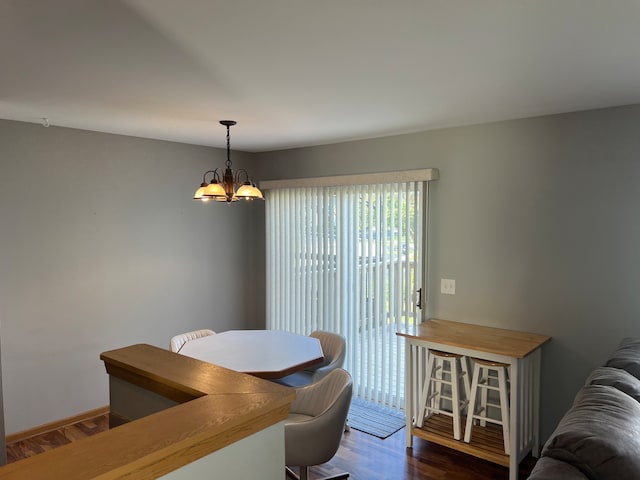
486	374
433	393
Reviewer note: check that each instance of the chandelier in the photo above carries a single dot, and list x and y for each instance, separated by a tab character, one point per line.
228	186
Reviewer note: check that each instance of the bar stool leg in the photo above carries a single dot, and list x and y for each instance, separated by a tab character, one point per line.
438	373
471	408
485	378
466	379
504	407
455	395
425	392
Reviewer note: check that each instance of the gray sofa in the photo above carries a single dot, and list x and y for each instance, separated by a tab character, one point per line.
599	437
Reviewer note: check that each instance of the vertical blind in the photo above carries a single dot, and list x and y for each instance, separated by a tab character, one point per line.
348	259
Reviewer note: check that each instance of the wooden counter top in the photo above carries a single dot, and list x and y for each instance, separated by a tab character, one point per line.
218	407
510	343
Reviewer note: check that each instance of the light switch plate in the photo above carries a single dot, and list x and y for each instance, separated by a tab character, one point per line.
447	286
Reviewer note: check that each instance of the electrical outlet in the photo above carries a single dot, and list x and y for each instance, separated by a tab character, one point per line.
447	286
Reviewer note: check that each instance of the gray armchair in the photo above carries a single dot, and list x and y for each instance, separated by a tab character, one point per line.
334	350
316	421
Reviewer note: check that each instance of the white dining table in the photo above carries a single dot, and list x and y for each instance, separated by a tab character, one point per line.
268	354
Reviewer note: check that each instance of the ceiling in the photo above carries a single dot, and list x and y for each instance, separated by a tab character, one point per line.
307	72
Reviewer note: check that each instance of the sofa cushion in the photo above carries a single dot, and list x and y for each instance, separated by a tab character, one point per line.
599	435
547	468
627	356
614	377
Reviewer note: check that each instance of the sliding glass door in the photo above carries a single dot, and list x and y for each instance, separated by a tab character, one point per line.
349	259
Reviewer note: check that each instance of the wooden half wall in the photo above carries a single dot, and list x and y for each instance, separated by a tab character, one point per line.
215	408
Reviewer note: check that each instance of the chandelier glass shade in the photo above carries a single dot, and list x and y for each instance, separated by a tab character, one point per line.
227	186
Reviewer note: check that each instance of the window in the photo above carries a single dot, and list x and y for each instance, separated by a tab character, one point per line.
349	259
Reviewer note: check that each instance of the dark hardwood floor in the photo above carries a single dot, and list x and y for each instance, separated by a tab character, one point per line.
365	457
56	438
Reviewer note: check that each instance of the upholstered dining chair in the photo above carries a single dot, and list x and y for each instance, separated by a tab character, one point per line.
179	340
314	427
334	350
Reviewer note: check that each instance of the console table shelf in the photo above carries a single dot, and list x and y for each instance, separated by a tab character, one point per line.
486	442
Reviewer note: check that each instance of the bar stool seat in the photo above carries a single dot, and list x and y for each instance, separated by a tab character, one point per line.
485	373
432	393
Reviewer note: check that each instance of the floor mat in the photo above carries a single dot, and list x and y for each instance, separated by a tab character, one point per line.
373	419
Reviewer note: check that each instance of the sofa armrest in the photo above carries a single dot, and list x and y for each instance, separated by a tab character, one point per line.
627	356
548	468
616	378
600	434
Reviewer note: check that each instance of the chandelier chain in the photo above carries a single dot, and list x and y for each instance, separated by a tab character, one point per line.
228	148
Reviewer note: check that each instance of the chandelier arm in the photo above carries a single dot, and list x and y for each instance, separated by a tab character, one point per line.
216	176
238	179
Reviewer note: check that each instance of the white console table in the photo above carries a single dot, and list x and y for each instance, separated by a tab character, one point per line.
520	350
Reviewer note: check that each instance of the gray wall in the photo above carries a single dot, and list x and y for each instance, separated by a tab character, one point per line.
536	220
102	246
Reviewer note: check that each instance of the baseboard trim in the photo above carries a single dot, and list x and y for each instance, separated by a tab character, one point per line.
49	427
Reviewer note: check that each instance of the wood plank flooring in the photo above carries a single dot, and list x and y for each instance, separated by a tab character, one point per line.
365	457
56	438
